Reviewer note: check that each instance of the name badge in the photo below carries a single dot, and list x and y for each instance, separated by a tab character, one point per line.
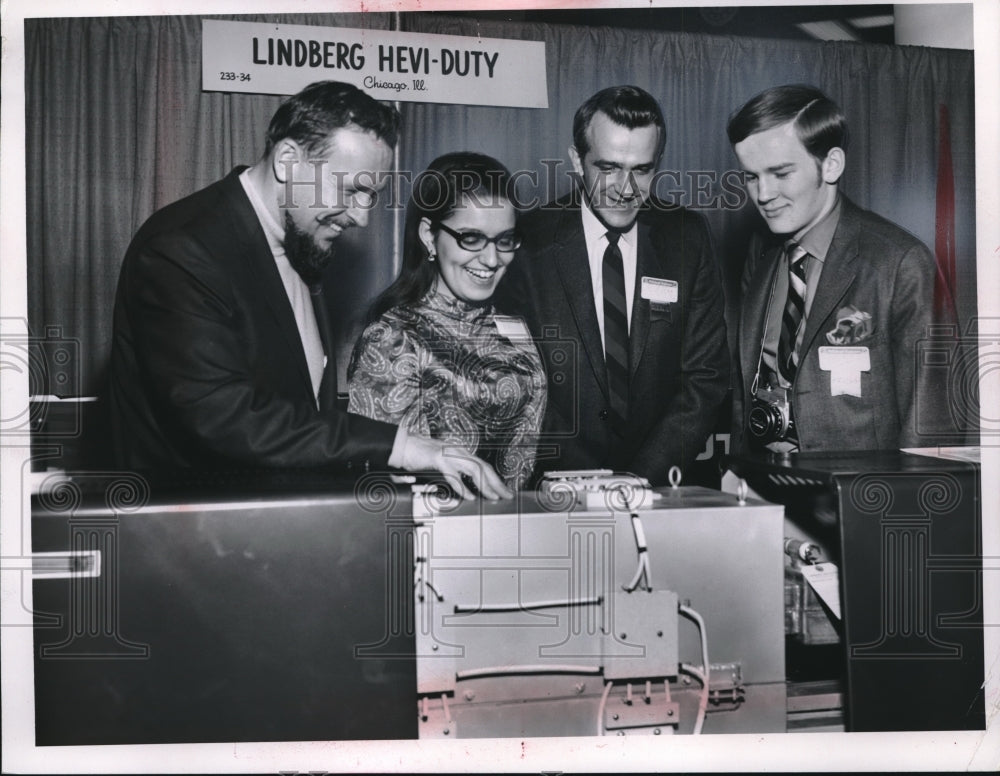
845	366
658	290
511	327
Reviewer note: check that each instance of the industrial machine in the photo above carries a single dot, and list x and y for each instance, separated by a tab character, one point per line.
281	606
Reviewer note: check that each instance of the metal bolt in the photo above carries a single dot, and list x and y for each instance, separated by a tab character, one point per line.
621	732
687	680
656	731
624	636
670	712
579	687
660	634
434	647
446	731
614	716
469	695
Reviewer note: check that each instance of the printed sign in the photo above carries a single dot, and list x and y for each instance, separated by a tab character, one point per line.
824	579
263	58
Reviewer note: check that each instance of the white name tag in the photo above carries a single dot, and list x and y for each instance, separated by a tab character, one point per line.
845	366
659	290
511	327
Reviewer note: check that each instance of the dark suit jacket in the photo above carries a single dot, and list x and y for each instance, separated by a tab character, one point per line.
678	354
207	366
878	268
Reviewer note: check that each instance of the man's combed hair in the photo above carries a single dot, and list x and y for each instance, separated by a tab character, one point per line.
818	120
310	116
629	106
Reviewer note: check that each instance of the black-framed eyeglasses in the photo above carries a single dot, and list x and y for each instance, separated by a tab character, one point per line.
476	241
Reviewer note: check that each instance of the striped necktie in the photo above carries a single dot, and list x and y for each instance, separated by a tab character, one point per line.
794	313
616	332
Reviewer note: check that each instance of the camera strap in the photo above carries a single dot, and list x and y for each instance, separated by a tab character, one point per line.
763	338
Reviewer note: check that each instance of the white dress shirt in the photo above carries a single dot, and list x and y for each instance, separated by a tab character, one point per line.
296	289
816	240
596	235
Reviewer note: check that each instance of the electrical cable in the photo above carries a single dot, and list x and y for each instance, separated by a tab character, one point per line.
601	706
703	699
594	600
642	569
517	670
704	673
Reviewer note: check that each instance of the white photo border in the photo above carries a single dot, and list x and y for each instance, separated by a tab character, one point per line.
781	752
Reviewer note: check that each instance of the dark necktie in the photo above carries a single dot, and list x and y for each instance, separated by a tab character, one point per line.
794	312
616	332
327	397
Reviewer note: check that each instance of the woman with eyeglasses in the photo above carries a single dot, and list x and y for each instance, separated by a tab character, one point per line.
435	356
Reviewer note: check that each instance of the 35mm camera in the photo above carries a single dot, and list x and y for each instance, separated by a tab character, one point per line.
770	417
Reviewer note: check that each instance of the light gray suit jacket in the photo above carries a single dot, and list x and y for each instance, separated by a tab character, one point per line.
878	268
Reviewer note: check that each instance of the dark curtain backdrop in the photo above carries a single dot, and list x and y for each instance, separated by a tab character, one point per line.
117	126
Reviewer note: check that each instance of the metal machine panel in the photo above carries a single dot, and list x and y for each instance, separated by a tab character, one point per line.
726	559
524	613
647	619
274	615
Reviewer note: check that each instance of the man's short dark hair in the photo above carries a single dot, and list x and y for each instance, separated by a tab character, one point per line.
628	106
310	116
819	121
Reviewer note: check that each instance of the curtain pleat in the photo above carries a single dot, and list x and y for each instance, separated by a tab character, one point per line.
118	126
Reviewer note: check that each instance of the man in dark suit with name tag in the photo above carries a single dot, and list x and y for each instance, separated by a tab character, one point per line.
625	300
834	306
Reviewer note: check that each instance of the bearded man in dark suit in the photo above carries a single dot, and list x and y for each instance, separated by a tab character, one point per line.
221	353
624	298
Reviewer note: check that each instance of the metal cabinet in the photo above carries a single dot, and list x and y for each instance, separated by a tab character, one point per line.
904	530
175	614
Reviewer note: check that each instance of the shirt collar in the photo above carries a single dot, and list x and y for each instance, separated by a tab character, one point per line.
274	232
594	230
819	236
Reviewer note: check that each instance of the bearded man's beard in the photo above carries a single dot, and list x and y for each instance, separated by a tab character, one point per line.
302	252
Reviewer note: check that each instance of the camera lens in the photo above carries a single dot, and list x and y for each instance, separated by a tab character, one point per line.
765	422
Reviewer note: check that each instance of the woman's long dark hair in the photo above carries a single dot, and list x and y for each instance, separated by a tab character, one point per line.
449	182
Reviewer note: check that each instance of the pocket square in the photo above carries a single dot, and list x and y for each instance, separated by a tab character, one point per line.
853	326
